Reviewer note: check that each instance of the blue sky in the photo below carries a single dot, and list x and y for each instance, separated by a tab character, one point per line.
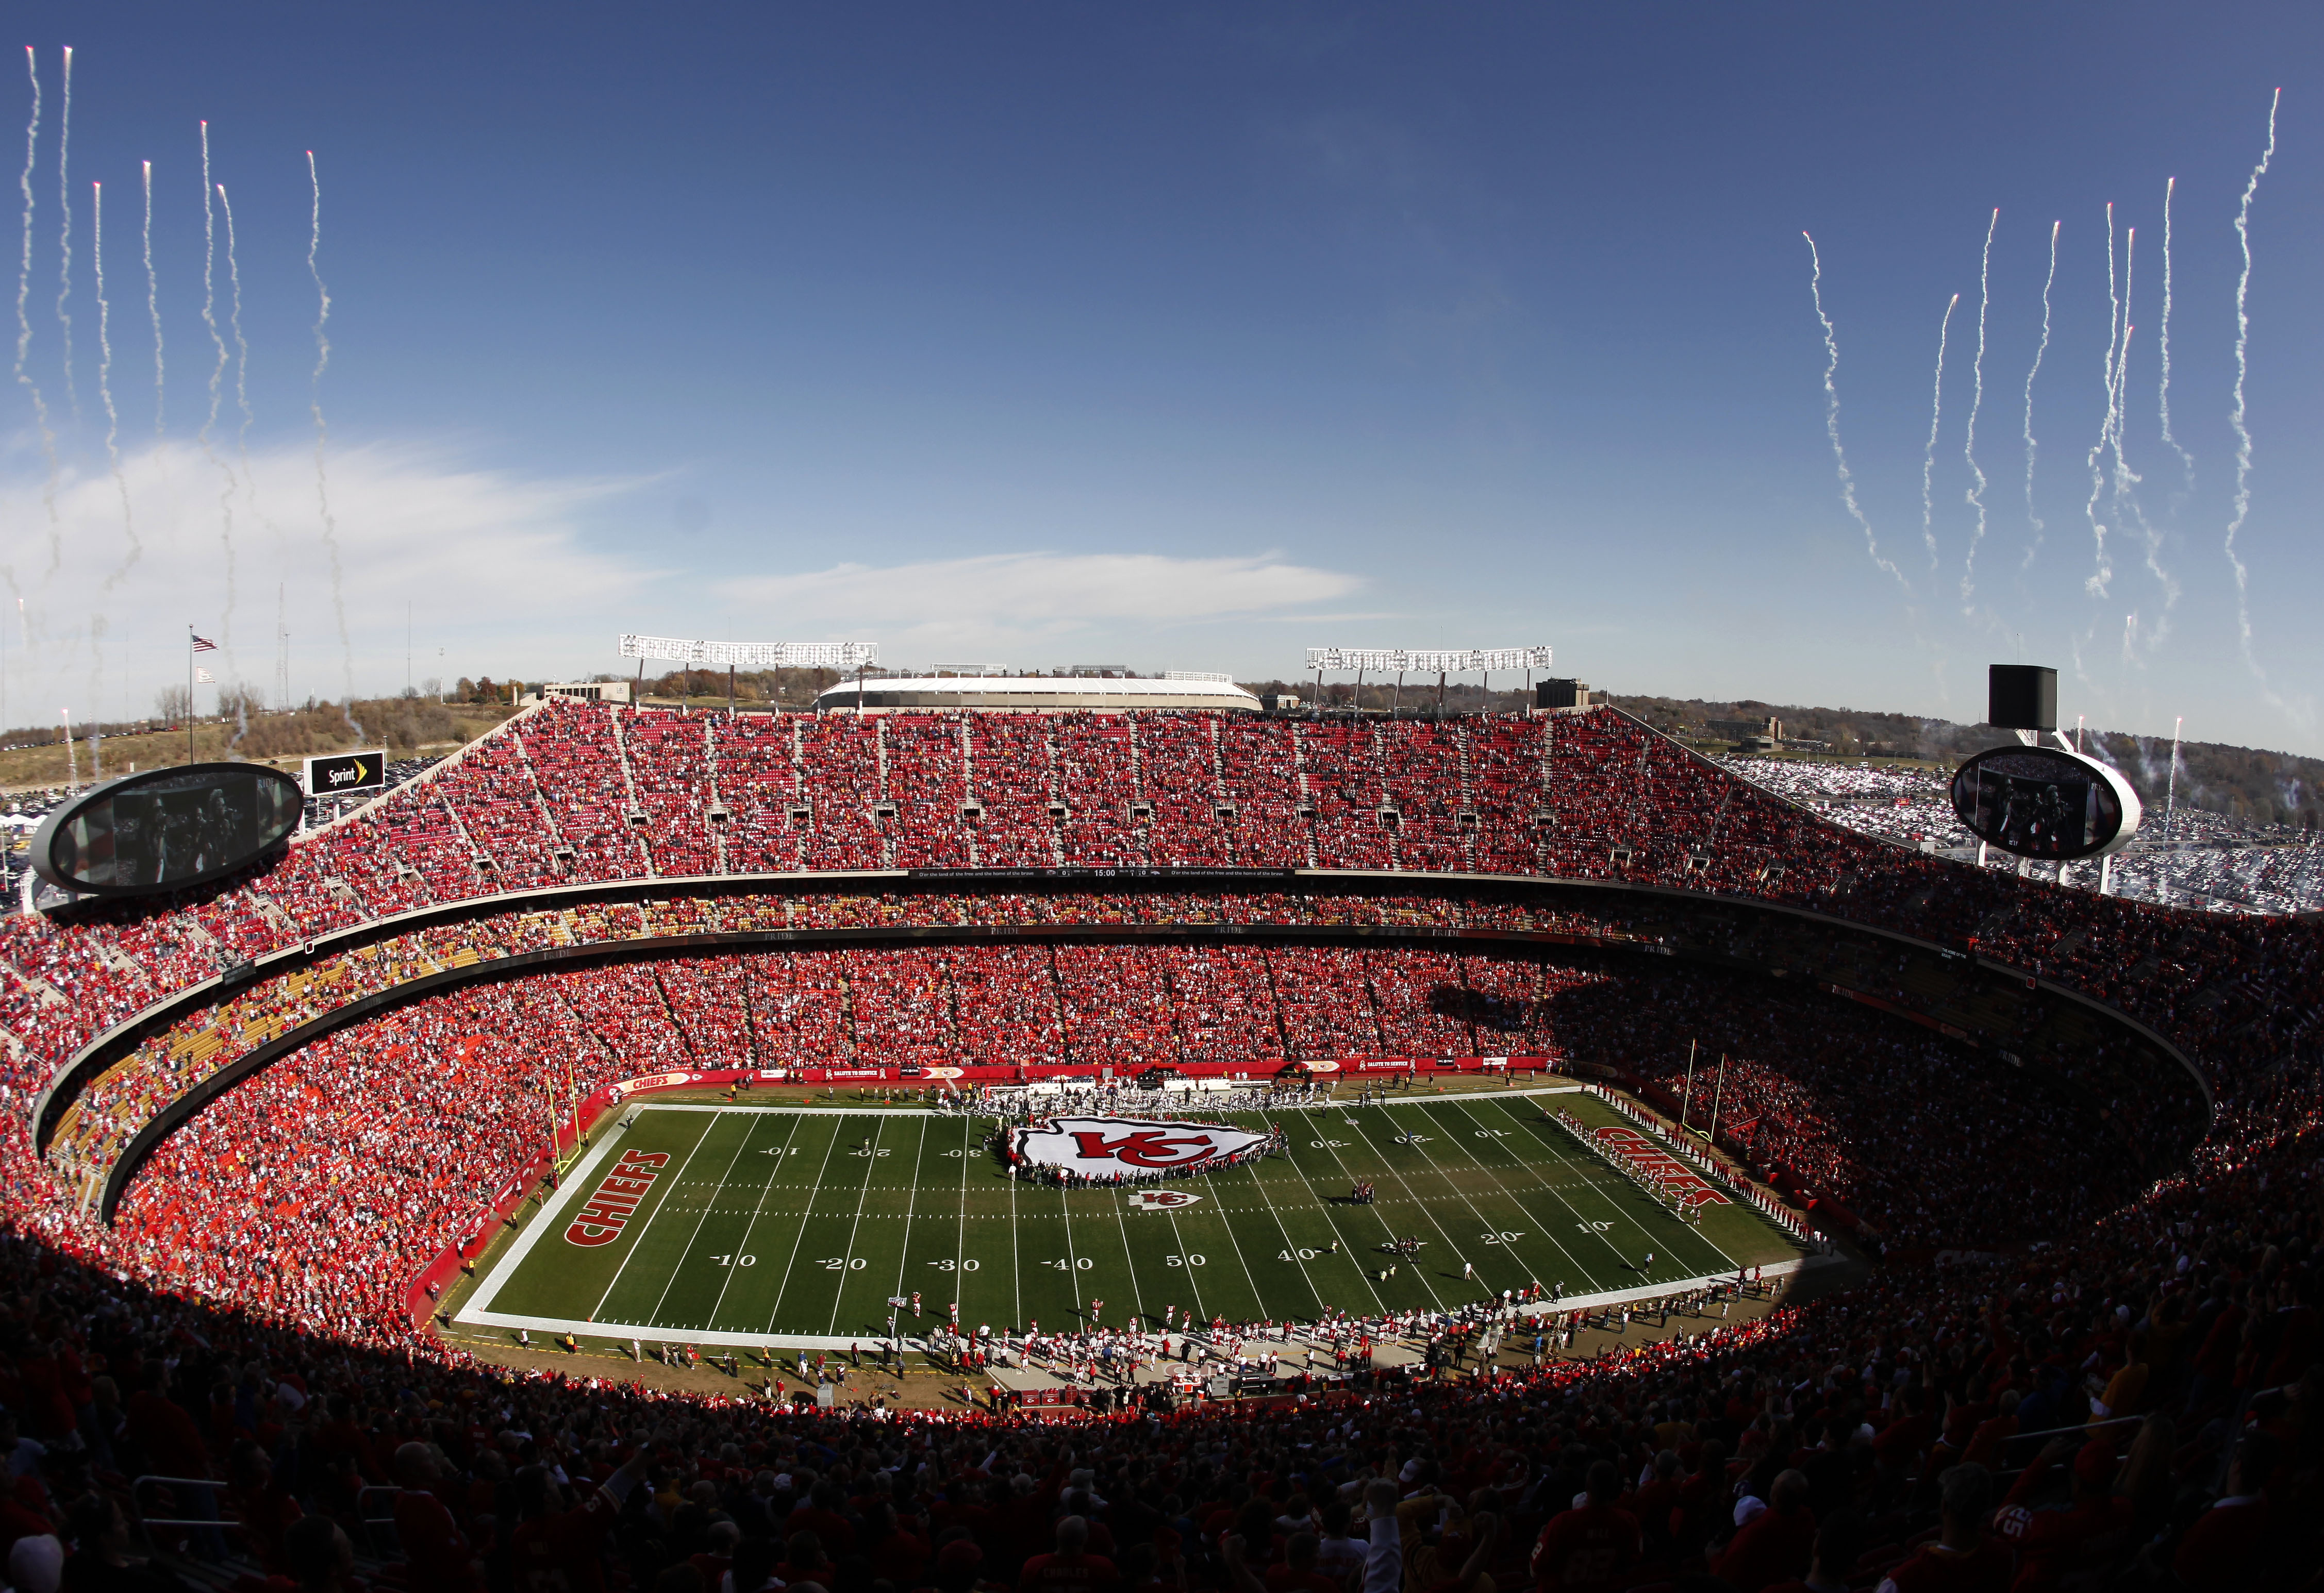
1187	337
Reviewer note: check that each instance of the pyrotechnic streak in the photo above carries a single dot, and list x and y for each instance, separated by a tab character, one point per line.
64	235
323	430
1831	416
153	299
217	376
234	320
2103	571
105	381
2236	413
1976	494
24	321
2040	349
1929	454
2186	463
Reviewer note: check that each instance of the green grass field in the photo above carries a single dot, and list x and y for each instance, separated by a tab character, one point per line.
794	1227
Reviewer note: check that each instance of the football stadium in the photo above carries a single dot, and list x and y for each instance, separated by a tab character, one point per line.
819	1115
1288	1077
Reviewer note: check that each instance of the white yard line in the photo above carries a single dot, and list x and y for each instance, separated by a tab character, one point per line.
1324	1207
1179	1240
685	1250
847	1253
1494	1174
791	1266
578	1178
638	1243
1350	1116
1290	1245
782	1154
1129	1255
1418	1271
1612	1191
911	1207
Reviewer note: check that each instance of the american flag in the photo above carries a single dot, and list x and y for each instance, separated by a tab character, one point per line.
203	644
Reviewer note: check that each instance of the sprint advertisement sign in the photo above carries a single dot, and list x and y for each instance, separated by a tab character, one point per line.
344	773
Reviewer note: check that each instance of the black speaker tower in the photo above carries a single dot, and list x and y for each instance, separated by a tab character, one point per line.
2021	696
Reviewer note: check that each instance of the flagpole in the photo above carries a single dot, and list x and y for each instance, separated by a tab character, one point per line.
190	696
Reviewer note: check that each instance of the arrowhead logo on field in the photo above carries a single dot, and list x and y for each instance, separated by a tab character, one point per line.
1161	1200
1098	1147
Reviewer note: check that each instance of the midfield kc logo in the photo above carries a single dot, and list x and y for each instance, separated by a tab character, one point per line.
1107	1147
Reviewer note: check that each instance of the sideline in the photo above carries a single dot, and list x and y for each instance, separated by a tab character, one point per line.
477	1312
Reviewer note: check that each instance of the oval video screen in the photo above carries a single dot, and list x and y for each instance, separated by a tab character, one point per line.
2037	801
167	830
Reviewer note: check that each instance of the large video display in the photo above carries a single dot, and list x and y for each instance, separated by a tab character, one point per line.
2045	802
167	829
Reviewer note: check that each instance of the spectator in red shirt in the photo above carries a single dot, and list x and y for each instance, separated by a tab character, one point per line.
162	1428
1838	1543
1775	1545
2222	1549
820	1514
2050	1543
556	1546
1297	1573
266	1512
1072	1569
437	1550
1963	1559
1588	1548
322	1560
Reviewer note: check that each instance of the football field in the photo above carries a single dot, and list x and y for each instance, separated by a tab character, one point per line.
750	1226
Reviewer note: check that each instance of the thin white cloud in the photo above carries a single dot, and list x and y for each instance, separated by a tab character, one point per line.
492	562
1017	601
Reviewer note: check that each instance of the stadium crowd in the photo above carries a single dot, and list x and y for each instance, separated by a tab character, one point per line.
363	1155
2132	1406
243	1321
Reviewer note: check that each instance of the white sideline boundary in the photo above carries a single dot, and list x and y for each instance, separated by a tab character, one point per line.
477	1312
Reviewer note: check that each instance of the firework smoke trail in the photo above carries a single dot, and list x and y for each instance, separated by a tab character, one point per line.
2235	414
2127	481
64	235
1831	415
2186	463
23	322
1929	454
2103	573
1976	494
153	299
217	376
323	433
241	344
2040	349
105	382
